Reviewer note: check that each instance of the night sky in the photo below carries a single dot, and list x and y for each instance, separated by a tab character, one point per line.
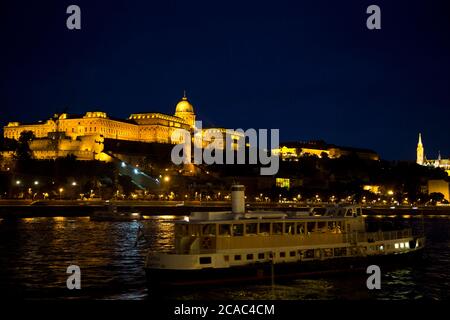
310	68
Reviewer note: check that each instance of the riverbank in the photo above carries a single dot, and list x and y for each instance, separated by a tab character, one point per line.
77	208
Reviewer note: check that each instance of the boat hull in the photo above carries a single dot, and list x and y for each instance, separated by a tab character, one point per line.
162	279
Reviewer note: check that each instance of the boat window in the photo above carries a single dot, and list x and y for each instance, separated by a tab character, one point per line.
308	254
209	230
349	213
250	256
260	255
336	227
182	230
289	228
194	230
322	226
310	227
264	229
318	253
327	252
225	229
300	226
251	228
339	252
282	254
358	211
205	260
277	228
238	229
226	258
292	253
331	226
237	257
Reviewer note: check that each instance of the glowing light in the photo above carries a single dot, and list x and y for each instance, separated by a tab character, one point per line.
123	164
136	171
36	183
166	178
18	182
396	246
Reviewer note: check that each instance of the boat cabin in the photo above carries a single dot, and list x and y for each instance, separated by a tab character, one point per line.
205	232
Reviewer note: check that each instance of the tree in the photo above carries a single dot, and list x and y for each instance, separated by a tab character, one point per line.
126	183
23	151
436	197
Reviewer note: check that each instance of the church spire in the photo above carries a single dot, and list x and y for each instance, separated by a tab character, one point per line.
420	151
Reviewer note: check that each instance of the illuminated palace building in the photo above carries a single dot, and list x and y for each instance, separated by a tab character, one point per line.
83	135
437	163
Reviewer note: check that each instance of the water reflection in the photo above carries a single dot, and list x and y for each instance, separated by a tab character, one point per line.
35	253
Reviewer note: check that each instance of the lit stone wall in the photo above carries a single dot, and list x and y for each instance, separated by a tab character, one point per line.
81	134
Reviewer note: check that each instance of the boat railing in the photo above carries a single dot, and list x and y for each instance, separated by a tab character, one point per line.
379	236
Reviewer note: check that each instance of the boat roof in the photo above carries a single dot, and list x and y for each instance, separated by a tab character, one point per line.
253	216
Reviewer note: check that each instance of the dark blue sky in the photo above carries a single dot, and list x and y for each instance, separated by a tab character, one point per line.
310	68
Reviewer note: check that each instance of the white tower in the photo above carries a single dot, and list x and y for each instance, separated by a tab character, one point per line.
237	198
420	151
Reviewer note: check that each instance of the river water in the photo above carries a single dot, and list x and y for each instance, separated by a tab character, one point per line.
35	254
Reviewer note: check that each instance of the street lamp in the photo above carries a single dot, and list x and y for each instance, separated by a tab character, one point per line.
36	183
74	183
18	182
60	192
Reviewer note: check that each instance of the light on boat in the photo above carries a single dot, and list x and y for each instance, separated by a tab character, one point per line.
396	246
392	207
135	214
407	245
402	245
414	208
381	247
186	219
123	164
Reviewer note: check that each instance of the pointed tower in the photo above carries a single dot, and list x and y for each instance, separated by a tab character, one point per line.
420	151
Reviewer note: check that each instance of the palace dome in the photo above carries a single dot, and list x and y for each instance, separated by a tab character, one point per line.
184	106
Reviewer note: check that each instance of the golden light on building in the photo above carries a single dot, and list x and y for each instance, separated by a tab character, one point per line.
84	136
282	183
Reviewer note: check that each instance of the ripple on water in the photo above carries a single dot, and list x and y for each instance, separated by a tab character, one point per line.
37	251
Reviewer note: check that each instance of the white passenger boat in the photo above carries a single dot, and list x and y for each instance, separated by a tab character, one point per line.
237	246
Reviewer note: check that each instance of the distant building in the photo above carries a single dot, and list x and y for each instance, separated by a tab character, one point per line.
292	151
423	161
83	135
